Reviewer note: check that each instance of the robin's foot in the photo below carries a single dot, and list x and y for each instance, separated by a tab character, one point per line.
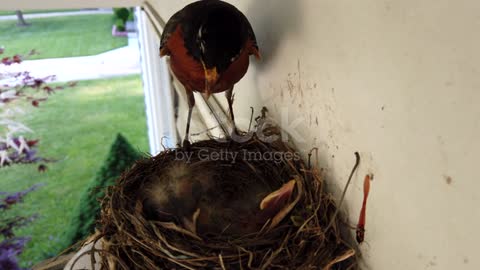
234	137
235	134
186	144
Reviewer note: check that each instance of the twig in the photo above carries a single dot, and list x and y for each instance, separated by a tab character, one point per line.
309	164
161	142
357	162
264	112
203	131
251	119
222	264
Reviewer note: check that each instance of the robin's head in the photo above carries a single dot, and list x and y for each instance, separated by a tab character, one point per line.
220	38
217	36
209	36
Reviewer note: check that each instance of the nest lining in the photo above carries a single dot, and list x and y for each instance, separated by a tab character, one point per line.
296	238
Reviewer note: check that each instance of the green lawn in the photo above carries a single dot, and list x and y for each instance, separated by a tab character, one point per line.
61	36
76	127
31	11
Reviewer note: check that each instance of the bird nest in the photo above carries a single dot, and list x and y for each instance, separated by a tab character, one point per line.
305	232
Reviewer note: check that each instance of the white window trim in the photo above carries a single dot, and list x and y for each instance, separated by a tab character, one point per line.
157	88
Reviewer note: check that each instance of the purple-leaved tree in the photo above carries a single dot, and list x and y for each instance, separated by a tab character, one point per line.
16	89
10	245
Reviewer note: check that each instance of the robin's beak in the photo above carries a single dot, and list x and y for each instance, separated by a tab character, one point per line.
279	197
163	51
256	53
211	78
191	223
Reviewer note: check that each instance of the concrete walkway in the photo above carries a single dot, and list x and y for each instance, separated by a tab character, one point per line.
57	14
118	62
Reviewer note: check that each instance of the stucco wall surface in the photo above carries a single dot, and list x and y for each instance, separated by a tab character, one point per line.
397	81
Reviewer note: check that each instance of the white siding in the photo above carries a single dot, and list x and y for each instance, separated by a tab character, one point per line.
397	81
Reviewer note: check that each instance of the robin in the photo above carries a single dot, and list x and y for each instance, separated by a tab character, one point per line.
209	43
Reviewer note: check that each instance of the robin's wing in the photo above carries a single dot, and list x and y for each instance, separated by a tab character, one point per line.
170	27
250	34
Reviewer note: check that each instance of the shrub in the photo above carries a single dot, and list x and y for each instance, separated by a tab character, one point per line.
122	155
131	16
120	25
121	13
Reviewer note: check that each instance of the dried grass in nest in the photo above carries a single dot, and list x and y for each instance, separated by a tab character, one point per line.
299	240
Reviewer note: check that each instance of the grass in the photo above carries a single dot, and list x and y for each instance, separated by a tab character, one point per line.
76	127
32	11
61	36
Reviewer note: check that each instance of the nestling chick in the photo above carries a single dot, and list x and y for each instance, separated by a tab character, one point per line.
244	212
205	201
175	195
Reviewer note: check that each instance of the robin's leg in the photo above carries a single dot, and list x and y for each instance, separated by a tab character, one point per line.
191	103
229	96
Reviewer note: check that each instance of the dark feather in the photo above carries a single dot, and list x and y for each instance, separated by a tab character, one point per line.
170	27
213	31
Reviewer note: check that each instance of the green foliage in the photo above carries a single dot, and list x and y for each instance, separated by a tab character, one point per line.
76	129
131	16
122	13
120	25
121	157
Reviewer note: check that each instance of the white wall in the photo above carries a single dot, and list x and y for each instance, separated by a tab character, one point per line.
397	81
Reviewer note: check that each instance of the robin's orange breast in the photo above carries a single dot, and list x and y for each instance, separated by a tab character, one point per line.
191	73
235	71
188	71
